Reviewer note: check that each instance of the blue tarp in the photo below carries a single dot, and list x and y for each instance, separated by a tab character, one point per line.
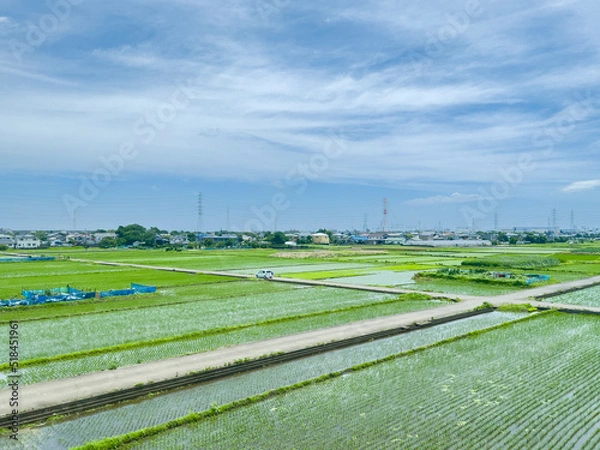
537	278
53	292
143	289
65	294
28	259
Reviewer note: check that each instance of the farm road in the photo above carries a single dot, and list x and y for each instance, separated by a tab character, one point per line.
56	392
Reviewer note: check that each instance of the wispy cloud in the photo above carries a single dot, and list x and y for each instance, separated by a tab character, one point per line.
579	186
278	90
445	199
129	56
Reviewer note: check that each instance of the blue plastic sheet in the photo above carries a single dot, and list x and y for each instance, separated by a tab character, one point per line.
68	293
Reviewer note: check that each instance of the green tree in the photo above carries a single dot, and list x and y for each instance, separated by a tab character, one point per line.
502	237
304	241
278	239
107	242
41	235
149	237
127	235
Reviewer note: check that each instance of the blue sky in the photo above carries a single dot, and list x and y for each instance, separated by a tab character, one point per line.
299	115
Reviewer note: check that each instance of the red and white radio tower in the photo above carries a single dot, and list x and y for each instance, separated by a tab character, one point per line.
385	214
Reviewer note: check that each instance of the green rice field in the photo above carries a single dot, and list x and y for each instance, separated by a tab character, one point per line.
486	391
157	410
586	297
112	356
457	385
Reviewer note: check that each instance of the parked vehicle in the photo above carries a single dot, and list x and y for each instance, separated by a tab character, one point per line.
265	274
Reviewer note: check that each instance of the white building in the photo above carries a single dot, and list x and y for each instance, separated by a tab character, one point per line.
5	239
28	241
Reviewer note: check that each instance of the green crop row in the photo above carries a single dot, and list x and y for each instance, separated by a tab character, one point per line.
66	369
194	417
465	394
203	333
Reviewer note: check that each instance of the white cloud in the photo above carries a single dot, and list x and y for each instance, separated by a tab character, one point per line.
466	116
128	56
445	199
582	186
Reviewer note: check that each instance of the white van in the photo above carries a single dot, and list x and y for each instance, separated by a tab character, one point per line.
265	274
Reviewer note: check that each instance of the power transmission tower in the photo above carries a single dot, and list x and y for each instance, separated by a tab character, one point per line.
385	215
200	224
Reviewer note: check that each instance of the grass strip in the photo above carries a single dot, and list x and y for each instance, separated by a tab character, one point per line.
116	442
204	333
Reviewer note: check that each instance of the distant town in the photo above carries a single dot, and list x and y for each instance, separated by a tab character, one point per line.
136	235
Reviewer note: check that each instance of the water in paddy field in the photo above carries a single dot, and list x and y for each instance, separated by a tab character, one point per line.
585	297
161	409
379	278
279	269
